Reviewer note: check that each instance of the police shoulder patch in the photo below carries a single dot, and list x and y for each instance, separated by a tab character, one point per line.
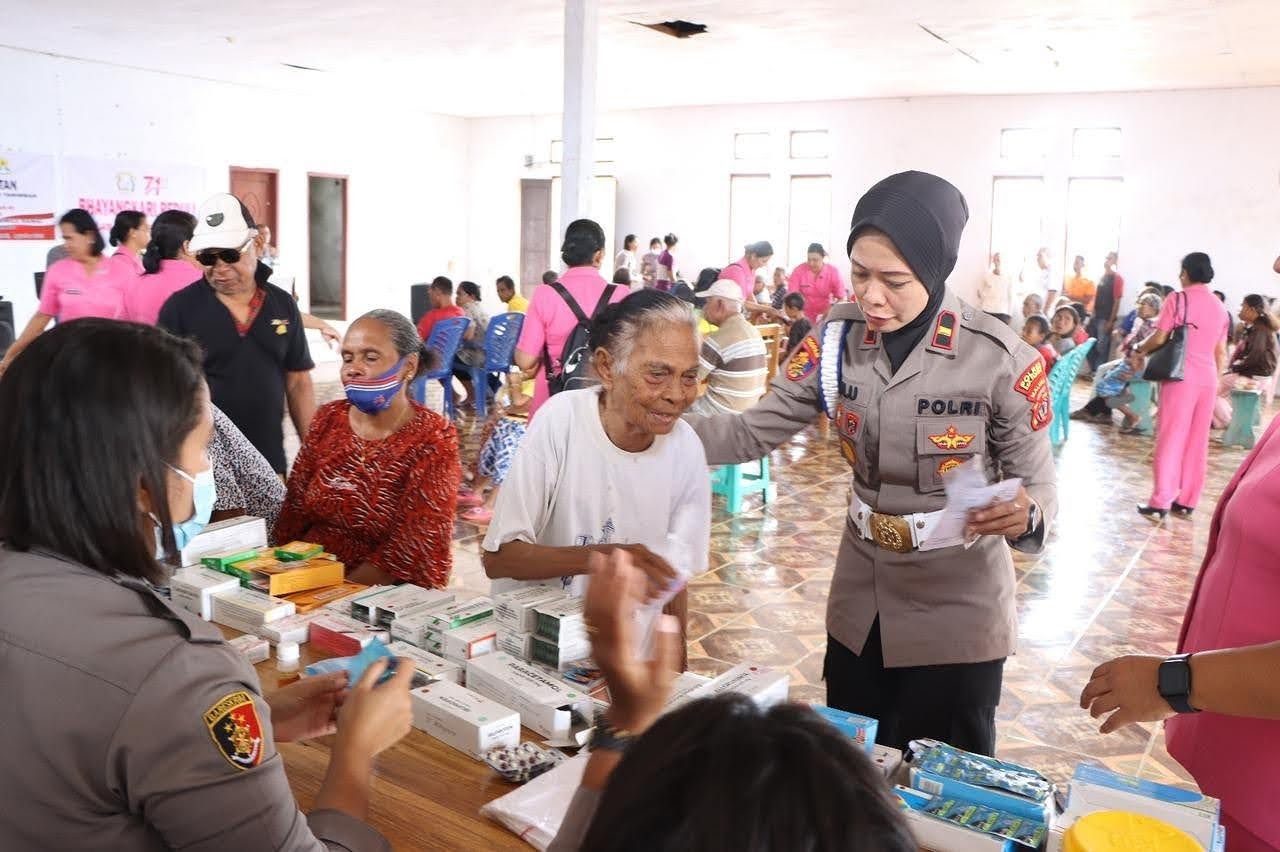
944	331
1033	384
804	360
236	730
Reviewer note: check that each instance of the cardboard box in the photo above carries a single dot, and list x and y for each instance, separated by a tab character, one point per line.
545	703
193	589
342	636
245	606
462	719
243	533
362	605
298	551
939	769
516	644
939	835
889	760
292	628
459	613
430	666
470	640
314	599
861	729
683	689
558	656
254	648
766	687
303	577
515	610
400	600
1096	789
560	621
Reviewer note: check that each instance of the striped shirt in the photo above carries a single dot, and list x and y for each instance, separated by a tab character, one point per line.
733	363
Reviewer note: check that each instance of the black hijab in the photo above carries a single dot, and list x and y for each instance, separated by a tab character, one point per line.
924	216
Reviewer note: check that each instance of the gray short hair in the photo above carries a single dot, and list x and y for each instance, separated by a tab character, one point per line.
617	328
404	336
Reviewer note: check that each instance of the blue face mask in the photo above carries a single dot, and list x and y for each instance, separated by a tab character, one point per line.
374	395
204	492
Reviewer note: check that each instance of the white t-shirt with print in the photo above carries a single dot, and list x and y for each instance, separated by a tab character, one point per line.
569	485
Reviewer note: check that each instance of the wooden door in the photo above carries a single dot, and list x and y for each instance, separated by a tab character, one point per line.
535	233
257	189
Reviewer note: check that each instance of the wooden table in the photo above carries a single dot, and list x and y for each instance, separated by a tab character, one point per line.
425	795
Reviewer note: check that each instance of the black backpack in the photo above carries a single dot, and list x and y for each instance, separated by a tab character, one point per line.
575	359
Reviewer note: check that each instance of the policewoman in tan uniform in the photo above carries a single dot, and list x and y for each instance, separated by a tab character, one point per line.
128	724
917	382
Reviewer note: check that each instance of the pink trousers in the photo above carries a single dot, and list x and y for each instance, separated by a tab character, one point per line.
1182	442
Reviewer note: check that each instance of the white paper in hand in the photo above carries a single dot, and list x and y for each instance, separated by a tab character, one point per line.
967	489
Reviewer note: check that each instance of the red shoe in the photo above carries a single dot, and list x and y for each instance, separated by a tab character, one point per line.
469	499
478	515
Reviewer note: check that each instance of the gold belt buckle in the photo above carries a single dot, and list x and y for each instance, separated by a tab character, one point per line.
892	532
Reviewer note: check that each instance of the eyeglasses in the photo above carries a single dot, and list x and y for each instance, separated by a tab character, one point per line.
211	256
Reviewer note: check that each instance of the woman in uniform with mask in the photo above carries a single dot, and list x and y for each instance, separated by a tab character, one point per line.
919	619
129	724
376	480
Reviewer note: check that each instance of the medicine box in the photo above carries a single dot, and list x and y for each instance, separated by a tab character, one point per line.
1096	789
560	621
515	610
766	687
245	606
301	577
291	628
193	589
385	608
460	718
939	835
683	689
557	656
470	640
233	534
546	703
254	648
516	644
342	636
362	605
459	613
860	729
298	551
427	665
943	770
314	599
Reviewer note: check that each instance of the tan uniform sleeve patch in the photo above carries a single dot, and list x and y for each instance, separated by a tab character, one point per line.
236	730
1034	385
805	360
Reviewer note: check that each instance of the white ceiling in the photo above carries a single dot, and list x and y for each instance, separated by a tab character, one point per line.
477	58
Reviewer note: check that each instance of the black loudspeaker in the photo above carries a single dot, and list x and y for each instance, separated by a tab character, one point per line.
7	332
419	301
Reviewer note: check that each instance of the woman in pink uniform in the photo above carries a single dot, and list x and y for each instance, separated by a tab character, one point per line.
130	234
550	321
1186	407
743	273
83	284
168	265
1228	735
818	281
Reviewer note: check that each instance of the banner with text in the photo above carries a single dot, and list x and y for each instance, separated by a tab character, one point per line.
27	208
106	187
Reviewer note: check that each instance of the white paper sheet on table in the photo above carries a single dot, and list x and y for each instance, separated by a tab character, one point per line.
535	811
967	489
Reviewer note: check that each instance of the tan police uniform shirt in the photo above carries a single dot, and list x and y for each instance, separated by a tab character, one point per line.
970	386
129	725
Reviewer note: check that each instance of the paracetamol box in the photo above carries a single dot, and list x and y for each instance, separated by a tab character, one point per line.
1096	789
515	610
766	687
561	621
245	606
243	533
427	666
544	701
193	589
362	604
460	718
387	607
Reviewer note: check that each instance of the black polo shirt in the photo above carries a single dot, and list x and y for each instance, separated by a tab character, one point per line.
246	375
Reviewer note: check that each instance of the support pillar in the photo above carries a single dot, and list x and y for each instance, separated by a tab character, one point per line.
581	37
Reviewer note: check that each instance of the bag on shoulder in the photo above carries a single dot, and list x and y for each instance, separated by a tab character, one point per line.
575	358
1167	364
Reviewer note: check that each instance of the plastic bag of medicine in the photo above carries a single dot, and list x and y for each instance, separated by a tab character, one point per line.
354	666
535	811
647	616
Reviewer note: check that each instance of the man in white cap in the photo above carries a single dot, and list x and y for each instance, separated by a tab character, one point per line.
255	349
732	361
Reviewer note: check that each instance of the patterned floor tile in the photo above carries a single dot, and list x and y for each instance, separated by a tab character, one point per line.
753	645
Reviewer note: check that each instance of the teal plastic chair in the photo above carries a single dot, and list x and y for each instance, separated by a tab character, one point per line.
735	481
1246	414
1061	378
1143	396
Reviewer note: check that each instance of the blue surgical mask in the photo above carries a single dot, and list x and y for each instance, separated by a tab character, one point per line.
375	395
204	492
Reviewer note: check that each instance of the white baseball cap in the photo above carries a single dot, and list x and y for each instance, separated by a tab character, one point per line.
223	222
724	288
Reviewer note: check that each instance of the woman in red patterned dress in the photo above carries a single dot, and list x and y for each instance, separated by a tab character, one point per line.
376	481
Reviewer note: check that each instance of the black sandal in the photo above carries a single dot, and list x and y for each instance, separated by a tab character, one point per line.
1152	512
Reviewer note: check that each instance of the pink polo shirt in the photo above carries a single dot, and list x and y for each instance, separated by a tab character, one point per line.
69	293
1236	603
145	295
819	290
126	261
549	321
740	273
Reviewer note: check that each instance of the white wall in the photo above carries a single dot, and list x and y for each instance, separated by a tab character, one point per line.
1200	168
407	189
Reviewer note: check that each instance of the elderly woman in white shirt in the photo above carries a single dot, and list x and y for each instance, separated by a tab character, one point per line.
613	465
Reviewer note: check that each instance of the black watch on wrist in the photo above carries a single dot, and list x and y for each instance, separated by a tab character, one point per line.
606	737
1174	683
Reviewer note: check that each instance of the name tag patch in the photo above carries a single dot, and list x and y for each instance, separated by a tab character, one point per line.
950	407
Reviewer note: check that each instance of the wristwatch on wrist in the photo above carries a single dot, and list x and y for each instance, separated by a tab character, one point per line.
1174	683
606	737
1034	517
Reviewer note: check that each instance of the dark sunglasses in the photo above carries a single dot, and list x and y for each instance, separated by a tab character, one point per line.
209	257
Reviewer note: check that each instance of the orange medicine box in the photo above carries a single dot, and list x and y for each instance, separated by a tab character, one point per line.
297	551
312	600
313	574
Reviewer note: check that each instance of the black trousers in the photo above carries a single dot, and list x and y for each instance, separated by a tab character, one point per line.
1097	407
954	703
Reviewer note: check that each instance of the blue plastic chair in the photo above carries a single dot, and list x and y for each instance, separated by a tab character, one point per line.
445	341
1143	397
499	349
1061	378
1246	414
735	481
